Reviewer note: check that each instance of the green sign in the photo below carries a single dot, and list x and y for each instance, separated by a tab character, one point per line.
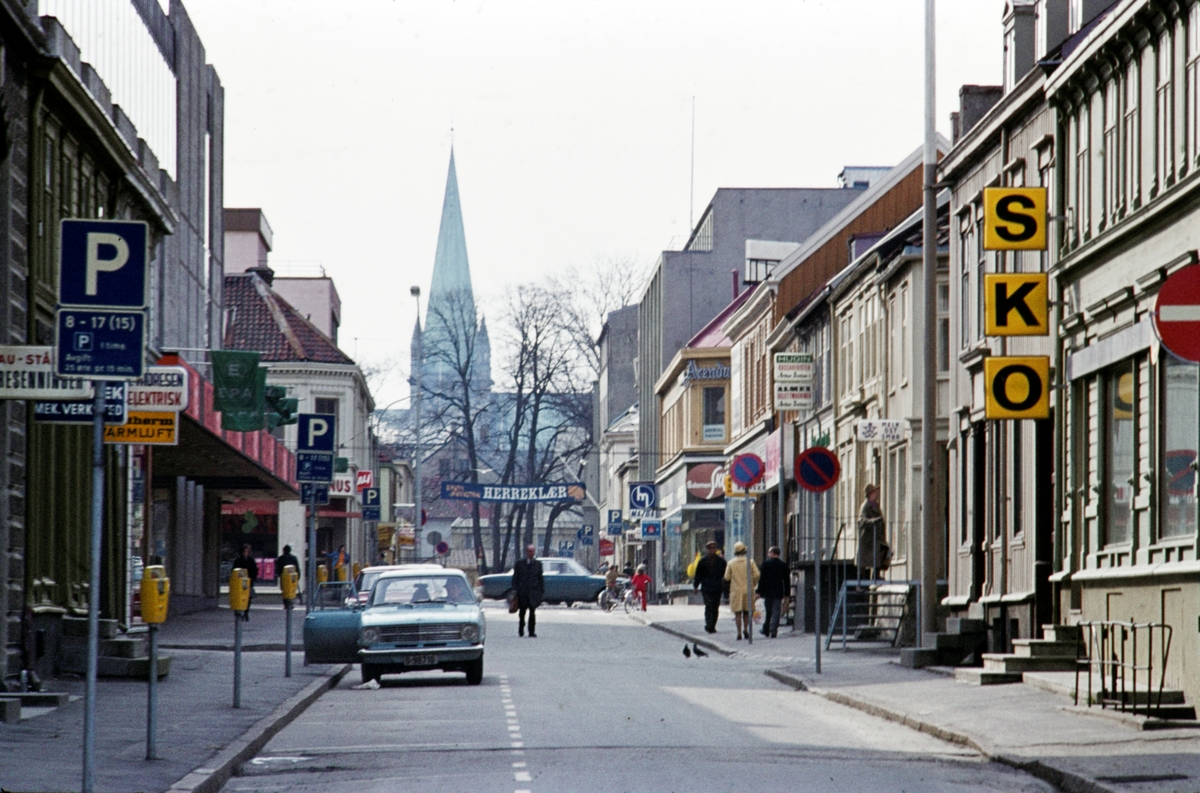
239	388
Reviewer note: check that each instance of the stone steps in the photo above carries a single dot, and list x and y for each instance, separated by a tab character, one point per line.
1044	648
1015	664
982	677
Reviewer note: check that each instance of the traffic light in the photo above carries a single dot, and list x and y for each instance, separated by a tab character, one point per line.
280	410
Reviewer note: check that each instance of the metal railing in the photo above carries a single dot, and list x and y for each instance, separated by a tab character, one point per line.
1125	657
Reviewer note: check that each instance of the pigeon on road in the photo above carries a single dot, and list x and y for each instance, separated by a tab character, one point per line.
686	652
699	653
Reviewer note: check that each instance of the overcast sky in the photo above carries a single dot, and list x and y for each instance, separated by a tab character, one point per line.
571	125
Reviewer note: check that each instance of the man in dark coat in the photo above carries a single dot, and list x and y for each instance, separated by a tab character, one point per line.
773	586
710	580
286	558
530	586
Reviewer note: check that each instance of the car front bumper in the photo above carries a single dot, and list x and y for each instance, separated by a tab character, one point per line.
406	656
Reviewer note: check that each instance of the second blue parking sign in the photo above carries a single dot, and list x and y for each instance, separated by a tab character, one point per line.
101	345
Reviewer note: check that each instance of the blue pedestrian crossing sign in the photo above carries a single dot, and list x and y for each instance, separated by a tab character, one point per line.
102	264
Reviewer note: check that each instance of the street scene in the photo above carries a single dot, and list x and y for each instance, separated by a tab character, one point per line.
560	396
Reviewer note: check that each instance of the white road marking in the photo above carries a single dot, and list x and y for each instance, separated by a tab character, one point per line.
519	764
522	776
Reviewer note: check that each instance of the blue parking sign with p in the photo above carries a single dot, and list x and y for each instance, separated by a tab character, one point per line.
315	432
102	264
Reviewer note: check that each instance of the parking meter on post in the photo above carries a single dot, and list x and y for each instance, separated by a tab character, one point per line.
322	573
356	569
289	583
156	591
239	603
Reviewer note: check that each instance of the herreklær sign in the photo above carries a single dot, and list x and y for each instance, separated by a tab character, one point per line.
468	491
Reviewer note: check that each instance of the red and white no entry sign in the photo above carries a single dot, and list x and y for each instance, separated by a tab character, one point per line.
1177	313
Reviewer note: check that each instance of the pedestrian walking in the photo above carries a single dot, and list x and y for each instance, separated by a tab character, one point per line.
530	586
741	601
246	562
286	558
874	554
641	583
773	586
710	580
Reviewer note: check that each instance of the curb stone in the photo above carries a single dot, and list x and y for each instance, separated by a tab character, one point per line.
705	643
1063	780
215	772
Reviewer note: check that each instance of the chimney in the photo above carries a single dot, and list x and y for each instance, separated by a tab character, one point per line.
735	283
1082	12
264	272
1020	40
974	101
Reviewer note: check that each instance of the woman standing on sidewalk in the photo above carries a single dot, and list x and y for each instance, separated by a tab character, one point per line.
740	602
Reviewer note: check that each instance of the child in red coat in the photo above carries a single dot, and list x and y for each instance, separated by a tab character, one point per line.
641	582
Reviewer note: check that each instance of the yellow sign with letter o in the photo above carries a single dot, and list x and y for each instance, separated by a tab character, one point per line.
1017	387
1015	304
1014	219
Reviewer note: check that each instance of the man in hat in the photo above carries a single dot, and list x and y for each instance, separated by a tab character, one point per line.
874	554
710	580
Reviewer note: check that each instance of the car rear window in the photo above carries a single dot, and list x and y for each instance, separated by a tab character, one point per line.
411	590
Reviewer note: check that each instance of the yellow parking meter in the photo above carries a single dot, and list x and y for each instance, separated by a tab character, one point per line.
322	573
156	590
239	590
340	572
289	582
357	568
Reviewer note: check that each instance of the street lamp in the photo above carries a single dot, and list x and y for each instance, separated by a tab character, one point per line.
416	293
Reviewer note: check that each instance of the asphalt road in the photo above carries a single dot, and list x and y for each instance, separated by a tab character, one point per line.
598	702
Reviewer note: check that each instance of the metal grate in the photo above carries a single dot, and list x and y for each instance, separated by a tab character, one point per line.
420	634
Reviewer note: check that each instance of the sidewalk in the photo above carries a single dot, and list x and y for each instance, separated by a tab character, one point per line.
1077	749
201	737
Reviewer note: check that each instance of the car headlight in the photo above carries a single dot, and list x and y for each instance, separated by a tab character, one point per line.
370	636
470	633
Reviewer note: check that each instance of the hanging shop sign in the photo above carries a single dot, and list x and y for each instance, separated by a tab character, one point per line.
1017	387
1014	219
794	367
468	491
27	372
1016	304
157	428
879	430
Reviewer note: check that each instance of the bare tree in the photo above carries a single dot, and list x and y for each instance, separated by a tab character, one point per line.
456	396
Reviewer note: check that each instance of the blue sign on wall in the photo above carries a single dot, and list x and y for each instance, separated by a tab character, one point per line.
102	264
651	529
101	345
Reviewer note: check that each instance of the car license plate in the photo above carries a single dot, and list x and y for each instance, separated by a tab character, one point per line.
421	660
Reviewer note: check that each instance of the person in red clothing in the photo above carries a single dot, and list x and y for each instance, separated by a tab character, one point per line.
641	582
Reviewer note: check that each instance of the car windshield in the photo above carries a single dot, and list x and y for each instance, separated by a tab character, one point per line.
411	590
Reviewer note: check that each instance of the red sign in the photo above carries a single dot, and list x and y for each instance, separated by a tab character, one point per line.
706	481
747	470
817	469
1177	313
606	547
364	480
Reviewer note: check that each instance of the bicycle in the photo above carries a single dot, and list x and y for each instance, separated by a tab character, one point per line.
632	601
610	598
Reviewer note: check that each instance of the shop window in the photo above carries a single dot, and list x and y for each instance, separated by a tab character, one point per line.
714	414
1119	452
1180	442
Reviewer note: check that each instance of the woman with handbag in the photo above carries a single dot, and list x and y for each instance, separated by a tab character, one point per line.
740	598
874	554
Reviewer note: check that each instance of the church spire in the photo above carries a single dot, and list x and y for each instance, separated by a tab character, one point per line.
451	268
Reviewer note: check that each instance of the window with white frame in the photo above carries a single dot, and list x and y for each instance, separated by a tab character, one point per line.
1164	121
964	294
1119	452
1180	440
1112	150
980	270
1131	138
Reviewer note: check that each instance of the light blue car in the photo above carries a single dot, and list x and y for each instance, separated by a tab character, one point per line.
417	618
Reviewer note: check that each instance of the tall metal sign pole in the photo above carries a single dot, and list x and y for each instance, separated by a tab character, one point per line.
101	336
416	403
315	436
930	513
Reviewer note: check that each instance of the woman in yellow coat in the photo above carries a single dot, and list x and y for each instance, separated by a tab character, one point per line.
739	594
